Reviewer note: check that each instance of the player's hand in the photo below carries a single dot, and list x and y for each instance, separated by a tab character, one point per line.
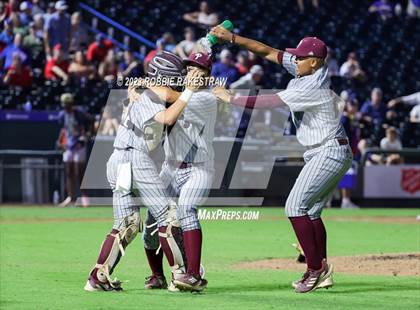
221	33
222	93
194	78
133	95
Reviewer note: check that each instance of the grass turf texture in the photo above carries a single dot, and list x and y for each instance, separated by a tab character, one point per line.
46	254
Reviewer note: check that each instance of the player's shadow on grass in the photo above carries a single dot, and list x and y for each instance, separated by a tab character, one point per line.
360	286
343	287
260	287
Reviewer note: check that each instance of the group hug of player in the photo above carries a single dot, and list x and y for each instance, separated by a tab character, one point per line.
184	118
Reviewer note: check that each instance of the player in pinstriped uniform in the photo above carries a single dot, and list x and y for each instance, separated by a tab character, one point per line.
188	171
130	169
316	114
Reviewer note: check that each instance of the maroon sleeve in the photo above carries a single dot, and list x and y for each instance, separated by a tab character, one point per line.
280	57
257	102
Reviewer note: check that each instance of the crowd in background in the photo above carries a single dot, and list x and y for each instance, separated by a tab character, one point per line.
44	41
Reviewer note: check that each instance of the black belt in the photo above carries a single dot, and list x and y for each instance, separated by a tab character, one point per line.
343	141
340	141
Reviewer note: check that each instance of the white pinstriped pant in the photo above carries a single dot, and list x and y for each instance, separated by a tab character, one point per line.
324	168
145	182
192	186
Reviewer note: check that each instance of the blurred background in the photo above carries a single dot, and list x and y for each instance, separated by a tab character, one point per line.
59	62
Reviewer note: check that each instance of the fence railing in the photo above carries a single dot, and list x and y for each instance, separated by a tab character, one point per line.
40	175
111	25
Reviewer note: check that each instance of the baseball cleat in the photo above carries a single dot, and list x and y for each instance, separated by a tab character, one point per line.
155	282
189	282
327	283
93	285
312	278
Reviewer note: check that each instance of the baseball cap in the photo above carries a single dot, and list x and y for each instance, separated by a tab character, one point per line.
25	5
201	59
309	46
61	5
225	53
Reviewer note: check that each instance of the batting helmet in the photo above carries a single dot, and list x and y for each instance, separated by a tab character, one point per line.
165	64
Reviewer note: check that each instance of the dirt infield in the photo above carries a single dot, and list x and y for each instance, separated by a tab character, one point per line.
385	264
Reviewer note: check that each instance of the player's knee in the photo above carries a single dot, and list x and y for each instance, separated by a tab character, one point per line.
314	214
295	208
188	218
128	226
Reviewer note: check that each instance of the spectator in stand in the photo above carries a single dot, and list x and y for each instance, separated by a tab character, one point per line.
351	69
79	69
57	67
350	121
301	5
79	38
242	65
34	44
382	8
391	142
76	129
108	125
160	46
170	43
7	54
18	74
17	25
50	12
108	68
413	8
36	8
186	46
373	114
225	68
2	12
39	25
98	50
332	63
250	81
253	59
204	18
7	35
58	29
129	67
25	14
12	7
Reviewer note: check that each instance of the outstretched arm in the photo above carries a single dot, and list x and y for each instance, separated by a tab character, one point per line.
270	53
251	102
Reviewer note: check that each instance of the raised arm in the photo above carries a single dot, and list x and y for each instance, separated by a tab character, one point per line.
270	53
171	114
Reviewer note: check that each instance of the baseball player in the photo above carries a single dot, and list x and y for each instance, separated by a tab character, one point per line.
315	112
130	169
188	173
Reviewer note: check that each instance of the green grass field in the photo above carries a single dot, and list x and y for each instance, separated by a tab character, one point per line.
46	254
